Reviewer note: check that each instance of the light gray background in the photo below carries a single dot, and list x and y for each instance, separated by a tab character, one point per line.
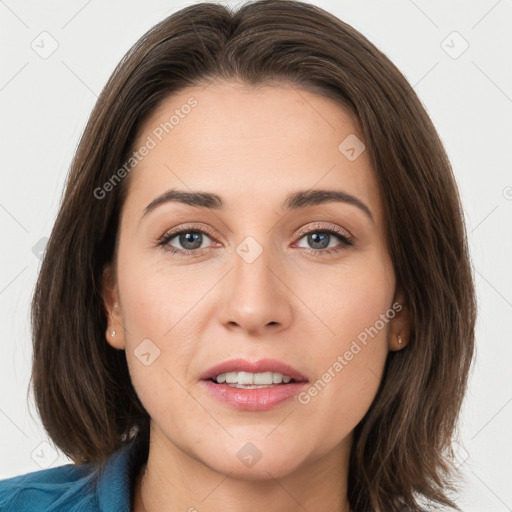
45	103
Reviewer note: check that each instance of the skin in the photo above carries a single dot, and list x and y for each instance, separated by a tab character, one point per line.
251	146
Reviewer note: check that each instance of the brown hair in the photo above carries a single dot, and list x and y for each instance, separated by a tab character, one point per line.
401	449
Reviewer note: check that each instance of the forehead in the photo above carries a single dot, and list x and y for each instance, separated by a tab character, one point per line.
250	143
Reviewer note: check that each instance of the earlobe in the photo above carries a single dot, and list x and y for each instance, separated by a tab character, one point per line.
398	342
115	339
115	333
401	325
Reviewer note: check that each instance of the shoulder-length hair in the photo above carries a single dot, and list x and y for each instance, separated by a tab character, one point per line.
402	448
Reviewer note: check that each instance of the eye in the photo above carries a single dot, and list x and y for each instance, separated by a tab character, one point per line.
321	240
189	240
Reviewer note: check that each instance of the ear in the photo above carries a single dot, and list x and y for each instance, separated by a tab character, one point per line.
115	329
401	325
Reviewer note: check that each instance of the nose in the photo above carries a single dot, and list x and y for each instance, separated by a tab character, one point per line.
255	295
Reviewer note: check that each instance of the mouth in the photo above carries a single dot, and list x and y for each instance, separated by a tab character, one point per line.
241	380
242	373
253	386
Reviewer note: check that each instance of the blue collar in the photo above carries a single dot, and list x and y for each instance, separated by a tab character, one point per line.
90	487
116	480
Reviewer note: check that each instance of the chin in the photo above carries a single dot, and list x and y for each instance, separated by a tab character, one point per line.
250	460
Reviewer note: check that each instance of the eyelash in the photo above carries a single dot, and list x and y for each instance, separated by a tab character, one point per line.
346	241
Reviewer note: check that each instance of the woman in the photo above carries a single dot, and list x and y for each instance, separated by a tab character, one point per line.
257	292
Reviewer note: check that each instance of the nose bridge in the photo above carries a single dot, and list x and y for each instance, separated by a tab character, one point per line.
253	276
255	255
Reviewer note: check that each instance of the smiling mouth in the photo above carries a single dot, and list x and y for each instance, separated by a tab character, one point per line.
258	391
249	380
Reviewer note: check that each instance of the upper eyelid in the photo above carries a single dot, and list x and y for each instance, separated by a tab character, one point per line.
171	233
319	226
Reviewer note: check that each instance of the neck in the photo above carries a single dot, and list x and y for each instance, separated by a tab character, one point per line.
173	480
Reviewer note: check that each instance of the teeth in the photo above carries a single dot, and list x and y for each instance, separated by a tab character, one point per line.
247	378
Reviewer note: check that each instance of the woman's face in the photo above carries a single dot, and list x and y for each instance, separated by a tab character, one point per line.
278	271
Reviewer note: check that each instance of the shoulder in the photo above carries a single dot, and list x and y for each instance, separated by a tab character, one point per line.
67	488
78	488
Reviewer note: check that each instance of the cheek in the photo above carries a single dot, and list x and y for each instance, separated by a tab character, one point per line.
351	345
157	300
165	313
344	300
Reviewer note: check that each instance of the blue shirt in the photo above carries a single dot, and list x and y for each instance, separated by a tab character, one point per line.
78	488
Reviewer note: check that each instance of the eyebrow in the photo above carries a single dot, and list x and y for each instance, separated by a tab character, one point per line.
294	200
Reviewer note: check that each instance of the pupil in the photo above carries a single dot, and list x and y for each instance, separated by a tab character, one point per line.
314	238
193	238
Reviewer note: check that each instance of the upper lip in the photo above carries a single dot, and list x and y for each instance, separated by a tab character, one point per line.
261	366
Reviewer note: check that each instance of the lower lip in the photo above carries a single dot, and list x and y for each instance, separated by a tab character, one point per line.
260	399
